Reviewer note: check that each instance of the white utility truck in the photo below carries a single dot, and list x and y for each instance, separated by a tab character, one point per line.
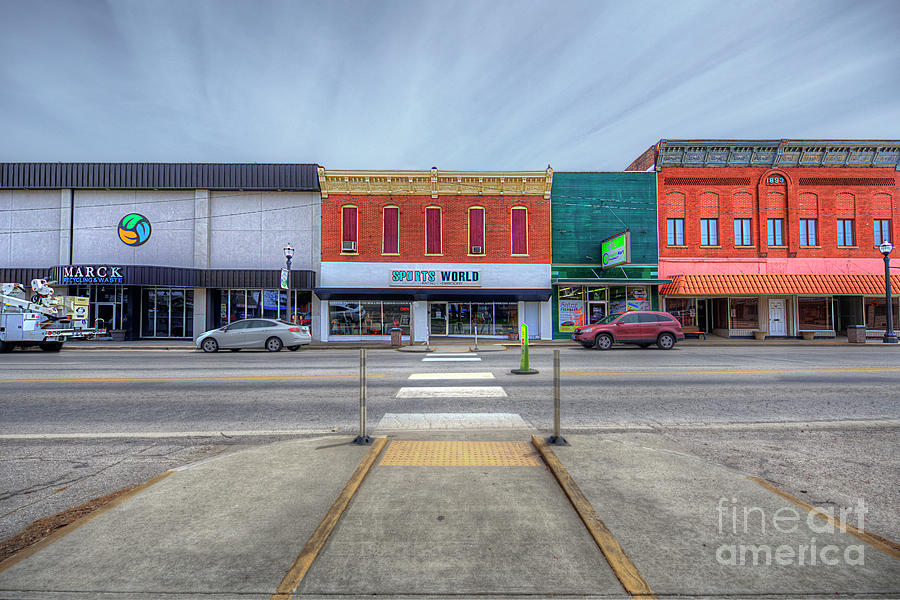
42	320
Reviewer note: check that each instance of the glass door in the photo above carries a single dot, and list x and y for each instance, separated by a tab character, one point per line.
596	312
105	315
459	321
438	318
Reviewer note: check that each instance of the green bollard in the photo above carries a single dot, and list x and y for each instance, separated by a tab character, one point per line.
524	367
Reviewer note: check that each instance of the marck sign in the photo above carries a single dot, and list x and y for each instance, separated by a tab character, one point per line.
426	278
615	250
74	274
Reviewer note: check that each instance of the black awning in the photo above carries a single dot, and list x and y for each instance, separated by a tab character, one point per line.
441	294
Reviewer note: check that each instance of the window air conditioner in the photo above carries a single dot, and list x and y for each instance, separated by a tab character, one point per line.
348	246
477	250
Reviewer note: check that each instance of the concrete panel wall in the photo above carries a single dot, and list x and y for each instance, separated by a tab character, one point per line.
171	215
30	223
248	230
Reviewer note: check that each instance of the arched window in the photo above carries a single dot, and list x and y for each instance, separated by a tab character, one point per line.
390	234
476	230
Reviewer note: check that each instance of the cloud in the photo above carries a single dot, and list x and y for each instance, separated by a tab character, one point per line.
467	85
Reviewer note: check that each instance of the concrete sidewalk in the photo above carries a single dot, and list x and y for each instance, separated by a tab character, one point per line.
444	519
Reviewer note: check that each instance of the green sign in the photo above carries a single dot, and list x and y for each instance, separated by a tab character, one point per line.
615	250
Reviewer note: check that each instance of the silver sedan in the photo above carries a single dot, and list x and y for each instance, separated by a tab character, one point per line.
271	334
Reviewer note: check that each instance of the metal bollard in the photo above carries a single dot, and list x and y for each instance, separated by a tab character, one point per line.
556	439
362	438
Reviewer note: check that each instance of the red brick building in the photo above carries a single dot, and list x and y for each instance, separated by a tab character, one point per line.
435	252
738	220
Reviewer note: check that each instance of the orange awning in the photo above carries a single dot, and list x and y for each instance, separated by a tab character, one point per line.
749	285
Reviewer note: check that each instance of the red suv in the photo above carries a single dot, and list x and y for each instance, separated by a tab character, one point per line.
641	327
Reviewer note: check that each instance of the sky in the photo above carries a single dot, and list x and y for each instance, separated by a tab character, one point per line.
470	85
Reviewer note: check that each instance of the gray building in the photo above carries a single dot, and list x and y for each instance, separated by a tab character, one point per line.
165	250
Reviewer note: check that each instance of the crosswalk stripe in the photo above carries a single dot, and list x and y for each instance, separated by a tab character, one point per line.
486	375
488	391
451	354
448	359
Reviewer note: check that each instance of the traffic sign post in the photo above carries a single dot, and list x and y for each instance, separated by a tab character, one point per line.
524	367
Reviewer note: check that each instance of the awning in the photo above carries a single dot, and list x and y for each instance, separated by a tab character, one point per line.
437	294
751	285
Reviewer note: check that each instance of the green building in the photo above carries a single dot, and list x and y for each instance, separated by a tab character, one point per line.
588	209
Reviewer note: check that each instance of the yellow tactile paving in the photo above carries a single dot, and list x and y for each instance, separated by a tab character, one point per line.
460	454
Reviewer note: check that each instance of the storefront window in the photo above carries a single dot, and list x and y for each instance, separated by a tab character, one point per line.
506	318
270	303
107	304
814	313
459	319
367	318
744	313
370	313
236	305
596	293
876	318
167	313
483	316
254	304
396	314
618	300
571	307
683	309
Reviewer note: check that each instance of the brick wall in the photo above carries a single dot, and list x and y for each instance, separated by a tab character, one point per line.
455	238
823	193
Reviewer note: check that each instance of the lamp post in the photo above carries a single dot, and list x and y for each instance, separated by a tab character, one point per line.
889	336
288	255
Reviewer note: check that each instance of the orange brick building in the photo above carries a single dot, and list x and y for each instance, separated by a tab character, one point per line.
435	253
739	219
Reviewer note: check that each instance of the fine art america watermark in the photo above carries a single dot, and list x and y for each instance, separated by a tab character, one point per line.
735	520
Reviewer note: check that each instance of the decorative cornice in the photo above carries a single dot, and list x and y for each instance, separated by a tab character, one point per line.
778	153
437	183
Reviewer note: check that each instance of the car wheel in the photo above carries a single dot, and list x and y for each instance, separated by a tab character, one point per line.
603	341
293	348
51	346
665	341
235	349
273	344
210	345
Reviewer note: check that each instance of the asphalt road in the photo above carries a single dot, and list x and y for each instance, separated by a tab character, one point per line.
733	405
157	391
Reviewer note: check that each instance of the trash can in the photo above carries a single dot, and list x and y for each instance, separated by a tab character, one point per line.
856	334
396	339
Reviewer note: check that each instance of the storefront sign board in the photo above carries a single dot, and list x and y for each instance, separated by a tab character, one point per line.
615	250
87	274
434	278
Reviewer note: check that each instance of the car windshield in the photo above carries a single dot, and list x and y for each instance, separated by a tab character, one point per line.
607	319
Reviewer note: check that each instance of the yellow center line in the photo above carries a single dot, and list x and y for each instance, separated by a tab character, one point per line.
734	371
155	379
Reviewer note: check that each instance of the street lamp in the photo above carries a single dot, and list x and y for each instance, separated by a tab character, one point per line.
288	255
889	336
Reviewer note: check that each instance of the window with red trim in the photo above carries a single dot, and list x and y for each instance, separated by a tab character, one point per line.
348	224
391	242
433	230
520	231
476	230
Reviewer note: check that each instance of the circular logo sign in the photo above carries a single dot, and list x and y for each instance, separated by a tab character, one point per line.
134	229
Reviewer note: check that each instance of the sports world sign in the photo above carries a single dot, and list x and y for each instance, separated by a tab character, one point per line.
615	250
428	278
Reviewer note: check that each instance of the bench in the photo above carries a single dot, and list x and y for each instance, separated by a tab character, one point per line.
693	330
